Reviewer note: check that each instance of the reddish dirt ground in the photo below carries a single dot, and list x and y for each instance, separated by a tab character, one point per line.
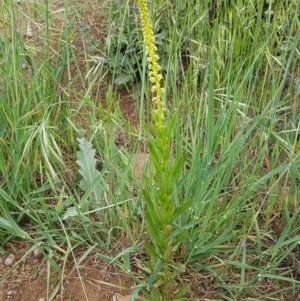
28	278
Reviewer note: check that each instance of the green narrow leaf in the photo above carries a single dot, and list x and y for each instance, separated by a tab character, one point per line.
182	208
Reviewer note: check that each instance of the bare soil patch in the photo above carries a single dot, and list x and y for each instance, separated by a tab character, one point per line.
29	278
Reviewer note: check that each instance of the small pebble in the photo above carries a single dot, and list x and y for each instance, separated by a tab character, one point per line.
58	297
10	259
11	294
42	299
29	33
37	252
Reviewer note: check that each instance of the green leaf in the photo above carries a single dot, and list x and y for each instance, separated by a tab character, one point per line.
123	79
182	209
87	168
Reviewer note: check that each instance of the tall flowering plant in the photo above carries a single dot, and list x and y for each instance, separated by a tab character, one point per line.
163	208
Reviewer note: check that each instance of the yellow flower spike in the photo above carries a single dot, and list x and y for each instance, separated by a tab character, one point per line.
154	68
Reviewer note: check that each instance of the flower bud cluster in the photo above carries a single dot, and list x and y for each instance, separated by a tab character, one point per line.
155	76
